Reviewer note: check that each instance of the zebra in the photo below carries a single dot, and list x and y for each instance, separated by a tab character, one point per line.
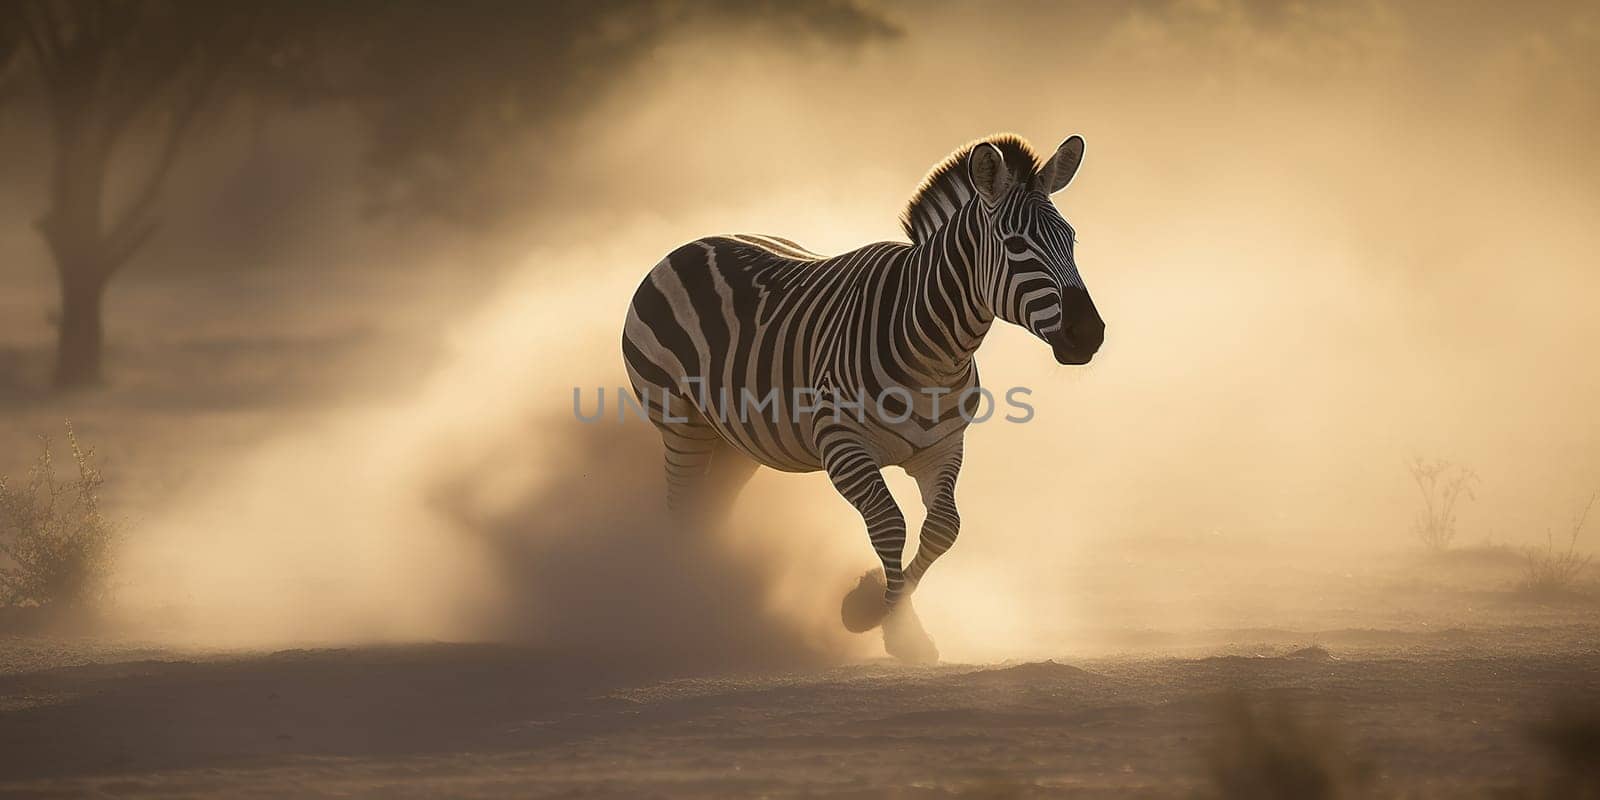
854	353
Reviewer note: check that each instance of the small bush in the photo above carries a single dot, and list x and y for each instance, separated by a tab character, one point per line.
1570	742
1552	571
1267	748
1442	485
53	533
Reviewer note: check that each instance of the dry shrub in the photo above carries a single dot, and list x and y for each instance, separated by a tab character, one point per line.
1551	571
54	535
1267	748
1442	485
1570	744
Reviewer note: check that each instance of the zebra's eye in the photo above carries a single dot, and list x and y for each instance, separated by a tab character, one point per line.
1016	245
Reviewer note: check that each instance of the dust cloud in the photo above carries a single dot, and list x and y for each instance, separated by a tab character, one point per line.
1325	238
480	508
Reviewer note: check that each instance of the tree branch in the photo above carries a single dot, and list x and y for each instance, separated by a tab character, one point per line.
49	60
124	243
133	229
52	29
124	104
11	46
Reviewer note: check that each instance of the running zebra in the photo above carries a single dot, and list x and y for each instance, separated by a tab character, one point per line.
750	350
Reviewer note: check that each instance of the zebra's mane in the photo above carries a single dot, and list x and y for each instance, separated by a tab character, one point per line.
947	187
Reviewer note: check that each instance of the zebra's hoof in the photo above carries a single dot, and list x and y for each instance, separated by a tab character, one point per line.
863	608
904	637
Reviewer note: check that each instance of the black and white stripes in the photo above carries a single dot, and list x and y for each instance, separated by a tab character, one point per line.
751	350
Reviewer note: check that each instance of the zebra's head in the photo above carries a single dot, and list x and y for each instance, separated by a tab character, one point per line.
1029	274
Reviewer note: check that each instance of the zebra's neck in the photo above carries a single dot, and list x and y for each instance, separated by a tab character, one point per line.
949	315
937	203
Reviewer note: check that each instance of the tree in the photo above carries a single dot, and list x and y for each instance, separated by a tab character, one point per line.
106	67
443	89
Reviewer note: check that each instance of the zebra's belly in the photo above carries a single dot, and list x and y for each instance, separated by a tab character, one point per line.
781	434
769	427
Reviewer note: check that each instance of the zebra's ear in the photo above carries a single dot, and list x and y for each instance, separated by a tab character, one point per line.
986	167
1061	168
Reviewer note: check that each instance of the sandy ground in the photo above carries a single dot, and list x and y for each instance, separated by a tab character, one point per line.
1450	714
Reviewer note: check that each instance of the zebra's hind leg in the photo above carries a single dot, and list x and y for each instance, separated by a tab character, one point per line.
689	448
704	473
727	475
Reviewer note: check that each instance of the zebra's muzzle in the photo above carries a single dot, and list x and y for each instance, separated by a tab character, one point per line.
1072	357
1082	330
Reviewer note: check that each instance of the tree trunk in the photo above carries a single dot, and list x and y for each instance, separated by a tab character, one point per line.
81	337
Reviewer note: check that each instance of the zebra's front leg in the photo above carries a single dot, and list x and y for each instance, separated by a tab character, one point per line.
936	480
903	634
858	477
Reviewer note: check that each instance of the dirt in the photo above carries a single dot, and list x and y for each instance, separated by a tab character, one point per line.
1418	715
